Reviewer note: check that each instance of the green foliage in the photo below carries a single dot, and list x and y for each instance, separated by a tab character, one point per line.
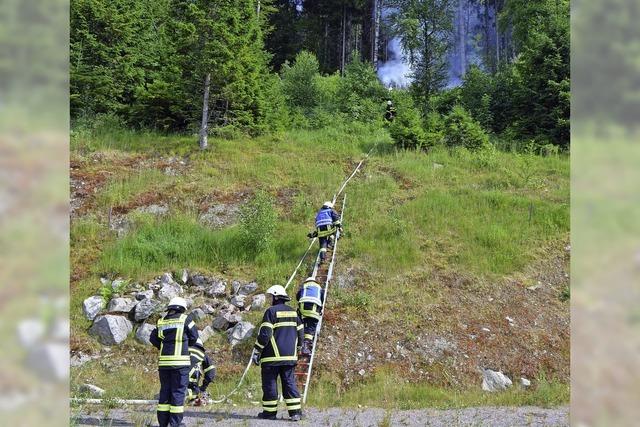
463	131
258	220
475	96
407	128
361	94
299	81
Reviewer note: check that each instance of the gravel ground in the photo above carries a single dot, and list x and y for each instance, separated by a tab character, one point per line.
484	416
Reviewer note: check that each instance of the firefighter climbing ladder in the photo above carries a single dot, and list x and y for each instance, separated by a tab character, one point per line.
322	273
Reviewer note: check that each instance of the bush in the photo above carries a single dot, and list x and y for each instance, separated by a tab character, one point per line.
406	130
361	93
258	220
299	81
462	131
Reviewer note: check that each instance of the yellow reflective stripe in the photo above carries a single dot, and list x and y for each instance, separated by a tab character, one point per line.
269	402
308	336
167	357
278	358
179	336
176	409
208	369
292	400
275	347
163	407
191	325
259	345
267	324
280	314
270	408
281	324
300	327
294	407
195	352
172	364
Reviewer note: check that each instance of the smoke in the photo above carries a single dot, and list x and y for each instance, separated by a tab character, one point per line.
395	72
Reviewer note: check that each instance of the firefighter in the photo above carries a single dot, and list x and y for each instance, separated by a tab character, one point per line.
310	297
201	368
275	351
390	114
327	223
174	334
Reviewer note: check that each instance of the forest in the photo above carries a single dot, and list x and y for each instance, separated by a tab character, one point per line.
460	72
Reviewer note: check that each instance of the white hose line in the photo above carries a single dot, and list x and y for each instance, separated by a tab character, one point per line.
324	302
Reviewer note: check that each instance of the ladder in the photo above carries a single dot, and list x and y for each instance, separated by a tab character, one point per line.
323	274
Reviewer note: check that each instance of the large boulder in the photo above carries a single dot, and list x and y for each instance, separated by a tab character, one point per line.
198	314
241	332
494	381
50	361
124	305
92	390
258	302
166	278
206	333
217	289
225	320
169	290
143	333
144	309
148	294
247	289
238	300
110	329
92	306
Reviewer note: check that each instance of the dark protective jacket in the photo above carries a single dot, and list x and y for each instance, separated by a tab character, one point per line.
174	334
310	297
326	221
201	367
280	333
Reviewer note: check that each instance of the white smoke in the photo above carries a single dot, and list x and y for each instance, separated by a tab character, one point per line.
395	72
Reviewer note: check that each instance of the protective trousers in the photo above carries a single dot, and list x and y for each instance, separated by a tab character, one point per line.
310	325
290	392
173	387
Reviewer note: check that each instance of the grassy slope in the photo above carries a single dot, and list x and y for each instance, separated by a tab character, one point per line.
430	252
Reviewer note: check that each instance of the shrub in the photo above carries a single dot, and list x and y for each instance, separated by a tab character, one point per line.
463	131
406	130
299	81
258	220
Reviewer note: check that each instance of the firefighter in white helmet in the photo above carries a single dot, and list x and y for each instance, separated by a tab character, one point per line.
174	334
276	351
327	224
310	297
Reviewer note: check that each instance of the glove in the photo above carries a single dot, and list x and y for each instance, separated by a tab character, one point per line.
255	357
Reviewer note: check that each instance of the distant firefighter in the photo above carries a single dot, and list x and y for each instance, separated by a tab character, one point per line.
390	114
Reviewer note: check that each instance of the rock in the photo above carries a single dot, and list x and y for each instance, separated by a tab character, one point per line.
241	332
486	330
185	276
92	306
247	289
30	331
110	329
225	320
144	309
258	302
494	381
220	215
91	390
236	286
198	314
166	278
228	307
50	361
148	294
525	382
169	290
124	305
361	372
206	333
154	209
238	300
117	285
218	289
143	333
199	280
208	308
437	165
80	359
61	330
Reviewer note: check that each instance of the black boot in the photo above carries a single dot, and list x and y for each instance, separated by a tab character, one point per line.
267	415
306	348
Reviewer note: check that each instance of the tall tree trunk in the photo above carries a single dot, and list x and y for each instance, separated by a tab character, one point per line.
495	2
344	34
377	6
204	126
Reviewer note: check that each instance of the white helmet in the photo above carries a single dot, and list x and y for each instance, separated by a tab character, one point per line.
278	291
389	102
178	302
310	279
328	205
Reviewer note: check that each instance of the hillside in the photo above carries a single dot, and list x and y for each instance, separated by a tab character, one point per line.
452	261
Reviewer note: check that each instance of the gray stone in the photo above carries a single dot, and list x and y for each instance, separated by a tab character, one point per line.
206	333
208	308
91	390
110	329
525	382
124	305
166	278
50	361
143	333
199	280
81	358
30	331
220	215
218	289
494	381
225	320
185	276
238	300
154	209
236	286
169	290
145	308
258	301
241	332
148	294
92	306
198	314
61	330
117	285
247	289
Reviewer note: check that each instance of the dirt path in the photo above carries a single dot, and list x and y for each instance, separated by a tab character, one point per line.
484	416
